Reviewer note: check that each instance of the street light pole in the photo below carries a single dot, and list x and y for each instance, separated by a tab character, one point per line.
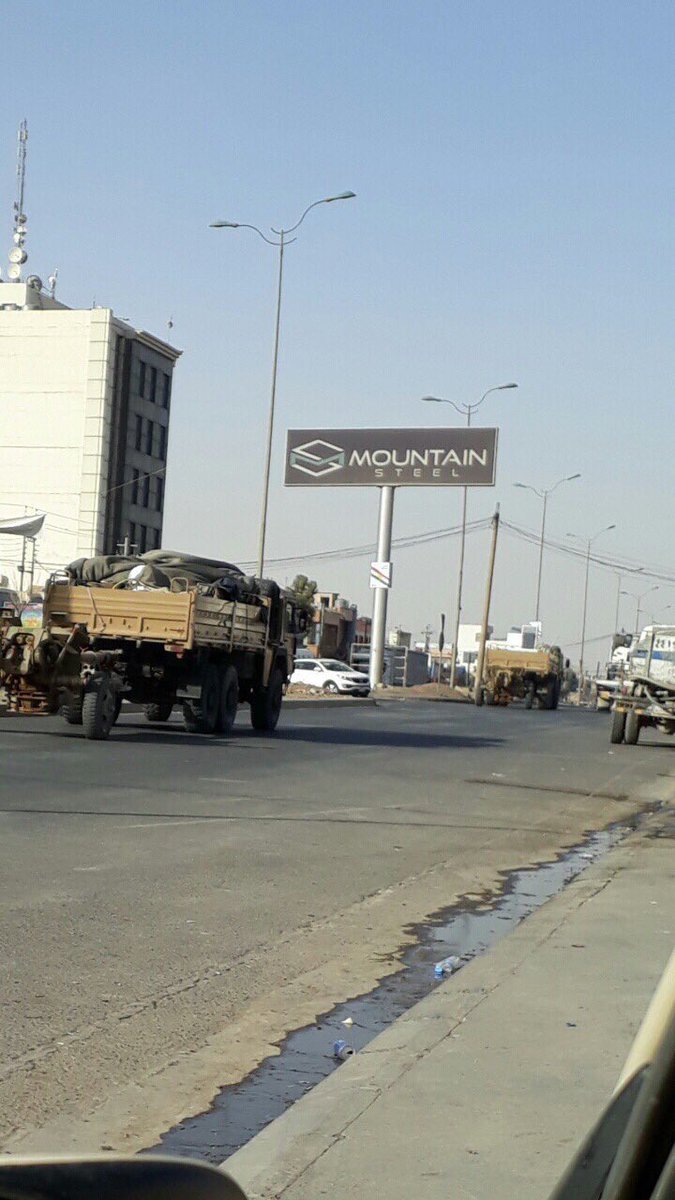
589	542
544	494
619	594
466	410
283	240
270	419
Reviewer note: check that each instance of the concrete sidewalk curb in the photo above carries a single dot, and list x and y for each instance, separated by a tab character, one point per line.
286	1149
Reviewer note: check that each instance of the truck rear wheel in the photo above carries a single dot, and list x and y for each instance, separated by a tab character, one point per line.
266	704
99	711
229	700
161	711
201	716
618	728
72	713
549	700
633	726
530	694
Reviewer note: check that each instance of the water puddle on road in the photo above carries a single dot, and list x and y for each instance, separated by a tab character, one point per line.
467	929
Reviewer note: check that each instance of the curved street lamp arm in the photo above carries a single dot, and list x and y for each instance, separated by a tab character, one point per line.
441	400
242	225
528	487
565	479
264	237
297	223
324	200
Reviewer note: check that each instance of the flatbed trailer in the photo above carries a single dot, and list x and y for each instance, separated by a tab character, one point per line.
101	645
647	696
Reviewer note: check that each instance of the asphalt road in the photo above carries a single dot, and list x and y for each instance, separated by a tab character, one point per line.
173	905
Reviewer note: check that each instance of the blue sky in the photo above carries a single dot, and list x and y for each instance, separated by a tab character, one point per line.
514	172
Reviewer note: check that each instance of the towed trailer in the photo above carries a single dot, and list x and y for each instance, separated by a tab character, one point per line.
647	695
98	646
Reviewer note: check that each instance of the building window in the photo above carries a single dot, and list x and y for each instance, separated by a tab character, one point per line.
162	442
153	384
134	486
166	390
142	534
146	491
141	379
159	495
139	432
148	437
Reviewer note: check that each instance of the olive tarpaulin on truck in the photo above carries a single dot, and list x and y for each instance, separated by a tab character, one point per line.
160	629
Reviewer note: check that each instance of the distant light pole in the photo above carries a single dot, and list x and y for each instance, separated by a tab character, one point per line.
466	410
282	235
589	542
639	600
619	594
544	494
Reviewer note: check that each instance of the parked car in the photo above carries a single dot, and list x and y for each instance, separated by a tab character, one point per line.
10	601
330	675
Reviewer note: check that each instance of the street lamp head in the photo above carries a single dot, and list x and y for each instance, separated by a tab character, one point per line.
504	387
569	478
342	196
608	528
433	400
224	225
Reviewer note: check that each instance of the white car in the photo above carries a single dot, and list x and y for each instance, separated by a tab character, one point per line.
330	675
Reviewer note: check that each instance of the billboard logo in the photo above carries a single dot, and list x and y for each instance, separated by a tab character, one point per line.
317	458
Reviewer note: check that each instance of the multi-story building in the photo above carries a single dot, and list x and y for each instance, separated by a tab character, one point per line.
85	402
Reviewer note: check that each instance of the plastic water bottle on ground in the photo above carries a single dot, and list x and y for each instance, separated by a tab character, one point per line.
342	1050
446	966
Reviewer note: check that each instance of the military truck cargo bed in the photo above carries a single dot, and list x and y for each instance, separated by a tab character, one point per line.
179	619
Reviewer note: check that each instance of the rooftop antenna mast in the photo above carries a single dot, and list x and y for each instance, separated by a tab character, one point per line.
17	254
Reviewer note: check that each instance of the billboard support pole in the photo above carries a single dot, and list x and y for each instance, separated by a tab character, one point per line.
381	594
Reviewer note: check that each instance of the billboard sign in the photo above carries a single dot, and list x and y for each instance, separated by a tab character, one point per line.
391	457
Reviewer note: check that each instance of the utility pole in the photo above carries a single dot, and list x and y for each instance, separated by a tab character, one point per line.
480	665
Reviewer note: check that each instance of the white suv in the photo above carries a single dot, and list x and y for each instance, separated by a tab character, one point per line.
330	675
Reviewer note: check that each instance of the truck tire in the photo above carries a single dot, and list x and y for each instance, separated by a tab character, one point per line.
229	699
618	728
633	726
161	711
549	700
530	694
72	713
266	704
98	711
118	705
201	716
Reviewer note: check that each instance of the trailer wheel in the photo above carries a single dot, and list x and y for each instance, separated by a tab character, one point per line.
98	711
72	713
633	726
266	704
229	700
618	728
158	712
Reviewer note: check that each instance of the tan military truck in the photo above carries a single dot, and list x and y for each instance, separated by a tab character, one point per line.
516	674
205	642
